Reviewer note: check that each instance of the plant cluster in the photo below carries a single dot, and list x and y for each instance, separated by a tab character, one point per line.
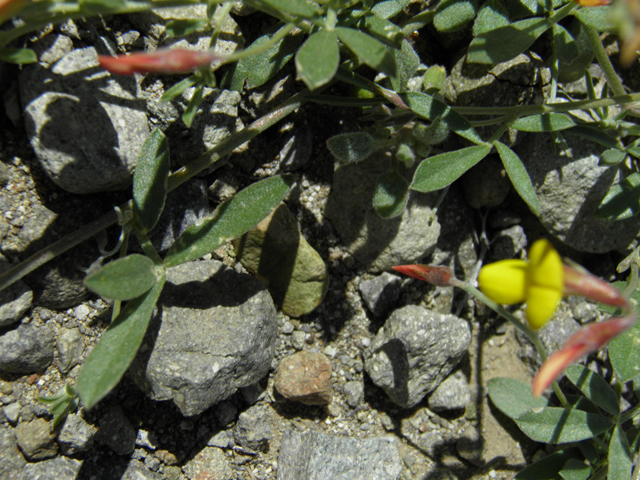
366	45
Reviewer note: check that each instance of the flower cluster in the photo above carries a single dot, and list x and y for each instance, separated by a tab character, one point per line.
541	282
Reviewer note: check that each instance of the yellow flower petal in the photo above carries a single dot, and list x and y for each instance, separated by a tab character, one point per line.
504	281
545	266
541	304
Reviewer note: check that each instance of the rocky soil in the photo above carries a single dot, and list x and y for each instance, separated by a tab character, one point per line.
344	370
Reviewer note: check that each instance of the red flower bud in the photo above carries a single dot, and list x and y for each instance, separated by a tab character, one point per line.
440	276
179	60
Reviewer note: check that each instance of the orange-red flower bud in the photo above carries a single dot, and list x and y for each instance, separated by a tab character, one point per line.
179	60
440	276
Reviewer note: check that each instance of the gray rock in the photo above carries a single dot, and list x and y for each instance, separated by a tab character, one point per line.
379	244
12	460
381	293
12	412
571	189
354	392
315	456
252	429
252	393
414	351
210	462
116	432
59	284
509	243
76	435
26	349
70	344
36	440
277	253
137	471
220	440
452	394
183	207
60	468
470	446
553	335
14	300
85	126
225	412
216	332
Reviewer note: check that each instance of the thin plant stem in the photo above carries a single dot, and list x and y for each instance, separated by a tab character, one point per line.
211	157
531	335
603	59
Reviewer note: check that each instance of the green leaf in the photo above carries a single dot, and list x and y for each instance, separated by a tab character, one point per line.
318	58
557	425
117	348
596	17
20	56
389	8
620	463
370	51
548	468
258	69
442	170
612	156
634	151
594	134
179	88
123	279
192	108
101	6
622	201
231	219
382	29
391	195
351	147
179	28
623	349
299	8
545	122
150	180
519	176
428	107
575	470
594	387
491	16
565	45
505	43
434	79
453	15
407	63
513	397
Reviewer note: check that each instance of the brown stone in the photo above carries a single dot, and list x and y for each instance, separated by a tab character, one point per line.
36	440
305	377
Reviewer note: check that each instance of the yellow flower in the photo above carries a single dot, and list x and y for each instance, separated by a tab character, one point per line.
539	282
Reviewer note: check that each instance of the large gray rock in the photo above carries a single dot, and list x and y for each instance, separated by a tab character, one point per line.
27	349
378	243
12	460
116	432
85	126
570	189
315	456
76	435
215	332
60	468
35	439
414	352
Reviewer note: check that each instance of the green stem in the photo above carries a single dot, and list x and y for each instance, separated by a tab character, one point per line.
210	157
523	110
603	59
249	52
531	335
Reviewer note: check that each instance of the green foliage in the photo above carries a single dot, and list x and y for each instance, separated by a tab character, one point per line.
442	170
123	279
546	122
594	387
453	15
623	200
391	194
62	404
352	147
150	180
513	397
318	58
370	51
623	350
230	220
20	56
117	347
559	425
518	176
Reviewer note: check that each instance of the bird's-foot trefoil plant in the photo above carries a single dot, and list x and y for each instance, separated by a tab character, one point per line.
605	442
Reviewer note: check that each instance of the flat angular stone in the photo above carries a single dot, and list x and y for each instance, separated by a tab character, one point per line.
305	377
